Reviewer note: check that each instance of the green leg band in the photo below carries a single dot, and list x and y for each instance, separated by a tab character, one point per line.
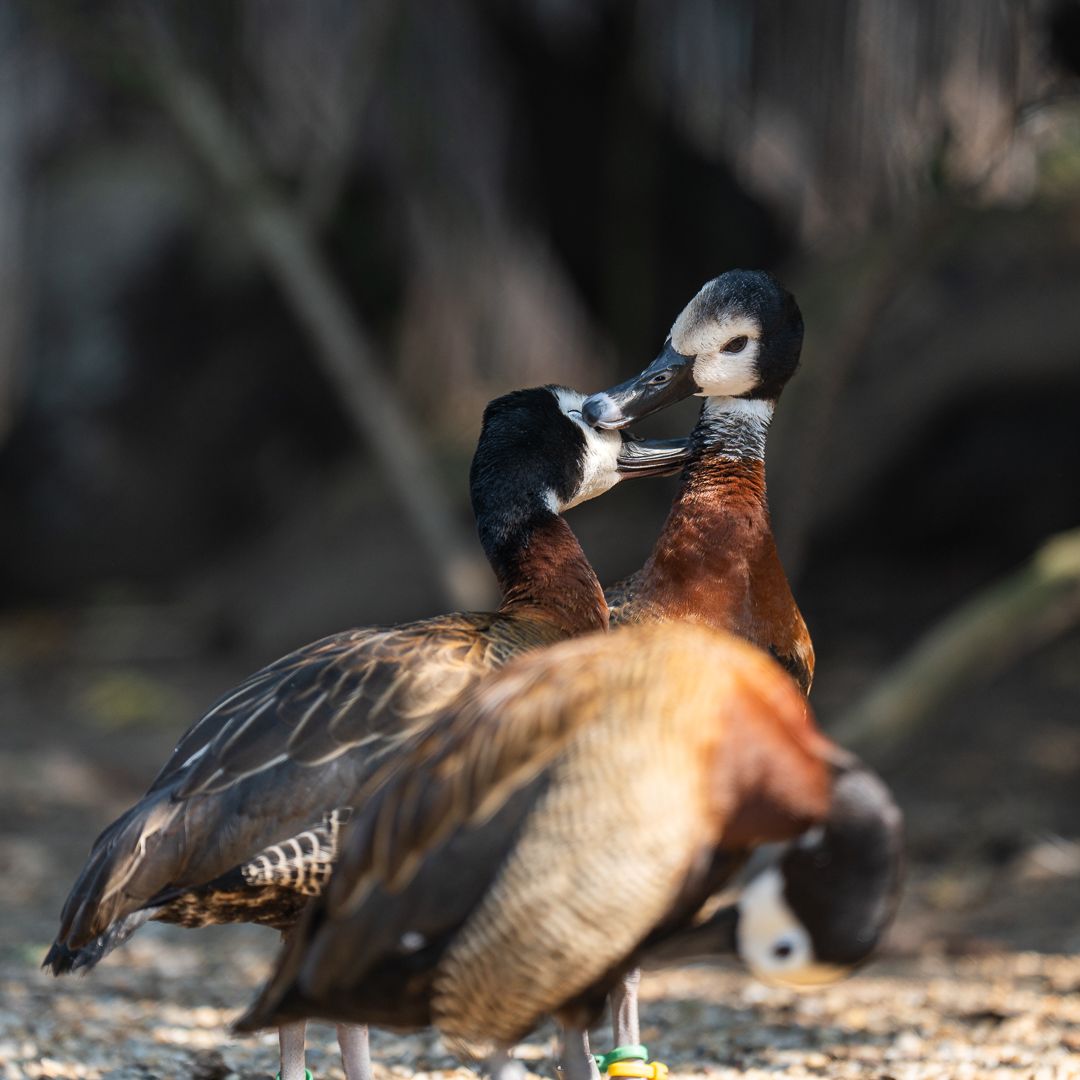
621	1053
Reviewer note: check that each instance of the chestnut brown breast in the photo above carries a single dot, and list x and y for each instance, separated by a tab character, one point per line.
716	563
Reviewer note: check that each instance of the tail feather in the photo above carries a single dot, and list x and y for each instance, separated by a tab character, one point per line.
62	960
99	898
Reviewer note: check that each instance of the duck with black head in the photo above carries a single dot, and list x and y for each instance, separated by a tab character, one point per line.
243	822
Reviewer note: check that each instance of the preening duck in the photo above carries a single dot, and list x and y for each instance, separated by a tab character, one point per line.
736	343
804	913
243	822
481	885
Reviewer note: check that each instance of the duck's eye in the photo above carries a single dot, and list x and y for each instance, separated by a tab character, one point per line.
736	344
782	950
660	378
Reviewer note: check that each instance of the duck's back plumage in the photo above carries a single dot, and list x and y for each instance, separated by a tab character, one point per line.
258	769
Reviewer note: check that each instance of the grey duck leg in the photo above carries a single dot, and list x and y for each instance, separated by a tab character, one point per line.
577	1060
624	1010
355	1051
501	1066
291	1042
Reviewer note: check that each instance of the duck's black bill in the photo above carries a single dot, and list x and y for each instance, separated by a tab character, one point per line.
652	457
667	380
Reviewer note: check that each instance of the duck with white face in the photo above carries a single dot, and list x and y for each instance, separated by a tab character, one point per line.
715	562
738	339
737	343
810	911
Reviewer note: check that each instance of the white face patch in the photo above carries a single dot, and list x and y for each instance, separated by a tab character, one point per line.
718	373
600	470
721	374
694	334
772	942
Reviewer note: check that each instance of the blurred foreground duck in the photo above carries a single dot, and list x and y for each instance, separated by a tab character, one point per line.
485	883
243	822
737	343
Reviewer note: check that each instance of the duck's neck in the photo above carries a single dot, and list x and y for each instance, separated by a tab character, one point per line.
543	573
735	429
715	560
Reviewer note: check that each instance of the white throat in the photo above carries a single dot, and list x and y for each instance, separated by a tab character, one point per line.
600	464
736	428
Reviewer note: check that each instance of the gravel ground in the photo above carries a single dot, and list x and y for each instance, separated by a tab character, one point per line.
161	1008
994	873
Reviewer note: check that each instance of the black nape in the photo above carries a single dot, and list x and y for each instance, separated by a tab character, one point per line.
528	451
843	881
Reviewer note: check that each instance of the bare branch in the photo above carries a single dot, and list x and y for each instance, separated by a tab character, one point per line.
327	171
1013	616
284	244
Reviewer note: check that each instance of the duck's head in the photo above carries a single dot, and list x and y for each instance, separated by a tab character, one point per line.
740	337
814	909
537	453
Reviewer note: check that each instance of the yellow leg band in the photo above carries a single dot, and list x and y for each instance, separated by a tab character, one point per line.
654	1070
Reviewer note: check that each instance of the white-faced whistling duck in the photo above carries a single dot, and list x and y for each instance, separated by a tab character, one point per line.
242	823
736	343
483	885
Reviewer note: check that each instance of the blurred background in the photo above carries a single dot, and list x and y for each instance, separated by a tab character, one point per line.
262	264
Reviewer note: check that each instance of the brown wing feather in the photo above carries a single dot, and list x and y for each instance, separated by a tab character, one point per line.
459	771
292	742
326	699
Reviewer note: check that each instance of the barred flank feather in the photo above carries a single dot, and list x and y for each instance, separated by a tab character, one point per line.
303	862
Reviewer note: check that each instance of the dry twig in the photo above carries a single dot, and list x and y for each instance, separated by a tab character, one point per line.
280	237
1012	616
